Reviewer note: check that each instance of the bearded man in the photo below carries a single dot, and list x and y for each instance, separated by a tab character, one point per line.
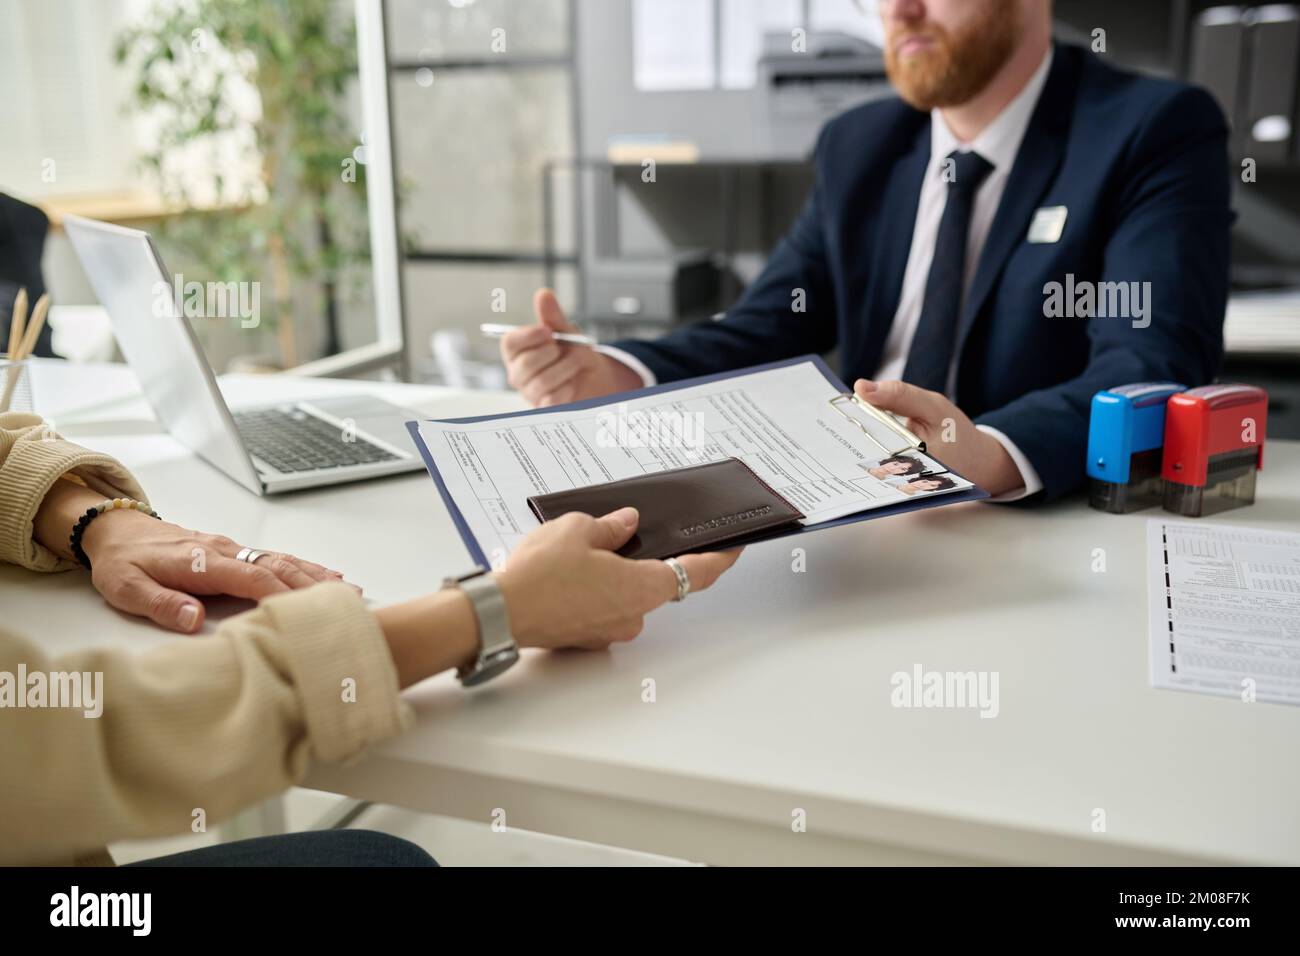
943	225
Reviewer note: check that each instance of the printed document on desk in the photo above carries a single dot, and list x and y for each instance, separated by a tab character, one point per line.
1224	611
826	458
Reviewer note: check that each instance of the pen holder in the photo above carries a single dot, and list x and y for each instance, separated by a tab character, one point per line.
15	386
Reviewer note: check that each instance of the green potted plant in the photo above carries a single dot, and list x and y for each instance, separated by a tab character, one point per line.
255	95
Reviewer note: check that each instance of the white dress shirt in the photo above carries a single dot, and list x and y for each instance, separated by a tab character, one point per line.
998	143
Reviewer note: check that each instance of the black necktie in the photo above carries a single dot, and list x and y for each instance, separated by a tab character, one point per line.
930	357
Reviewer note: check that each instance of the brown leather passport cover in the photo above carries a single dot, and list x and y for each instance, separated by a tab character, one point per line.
701	508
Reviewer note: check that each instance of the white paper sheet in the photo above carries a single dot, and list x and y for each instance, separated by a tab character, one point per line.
1224	610
673	45
779	422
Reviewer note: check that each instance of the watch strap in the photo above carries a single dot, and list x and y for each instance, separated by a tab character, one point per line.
497	650
493	620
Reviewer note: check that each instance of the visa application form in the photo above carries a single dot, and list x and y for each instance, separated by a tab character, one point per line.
1224	613
779	421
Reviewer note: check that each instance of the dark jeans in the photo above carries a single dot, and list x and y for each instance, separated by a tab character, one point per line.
313	848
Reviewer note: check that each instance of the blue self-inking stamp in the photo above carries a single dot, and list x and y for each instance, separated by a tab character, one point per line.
1126	436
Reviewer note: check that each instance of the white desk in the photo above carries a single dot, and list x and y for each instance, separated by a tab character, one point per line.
773	690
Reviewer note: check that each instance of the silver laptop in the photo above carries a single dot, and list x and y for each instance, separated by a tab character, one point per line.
267	449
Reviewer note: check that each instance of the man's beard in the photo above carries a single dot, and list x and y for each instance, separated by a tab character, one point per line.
957	66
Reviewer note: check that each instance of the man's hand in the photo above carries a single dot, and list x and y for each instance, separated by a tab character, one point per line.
565	587
547	372
948	433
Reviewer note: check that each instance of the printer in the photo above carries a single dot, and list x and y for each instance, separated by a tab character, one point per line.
799	91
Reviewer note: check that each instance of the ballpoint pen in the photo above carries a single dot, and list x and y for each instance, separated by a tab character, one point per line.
494	331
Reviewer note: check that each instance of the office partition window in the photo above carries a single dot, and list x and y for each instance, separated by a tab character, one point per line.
481	103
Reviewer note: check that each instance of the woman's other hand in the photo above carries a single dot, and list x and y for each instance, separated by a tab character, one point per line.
565	587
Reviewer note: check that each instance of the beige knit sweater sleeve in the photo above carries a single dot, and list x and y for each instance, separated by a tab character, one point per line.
193	730
32	458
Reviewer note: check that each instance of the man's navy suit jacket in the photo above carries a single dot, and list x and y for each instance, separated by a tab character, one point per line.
1141	166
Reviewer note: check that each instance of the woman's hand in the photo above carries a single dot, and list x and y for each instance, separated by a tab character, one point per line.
155	569
948	433
565	587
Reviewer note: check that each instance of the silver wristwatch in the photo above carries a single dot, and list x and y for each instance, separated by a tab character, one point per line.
497	650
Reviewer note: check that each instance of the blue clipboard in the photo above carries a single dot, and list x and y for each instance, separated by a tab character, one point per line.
476	551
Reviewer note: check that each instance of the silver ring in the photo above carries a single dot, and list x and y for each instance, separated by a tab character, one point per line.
683	579
249	555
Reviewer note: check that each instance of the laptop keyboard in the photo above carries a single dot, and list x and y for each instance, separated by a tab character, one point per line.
290	440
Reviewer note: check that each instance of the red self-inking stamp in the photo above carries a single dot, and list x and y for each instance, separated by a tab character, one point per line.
1214	444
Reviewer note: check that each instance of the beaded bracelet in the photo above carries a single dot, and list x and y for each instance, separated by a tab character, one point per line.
109	504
